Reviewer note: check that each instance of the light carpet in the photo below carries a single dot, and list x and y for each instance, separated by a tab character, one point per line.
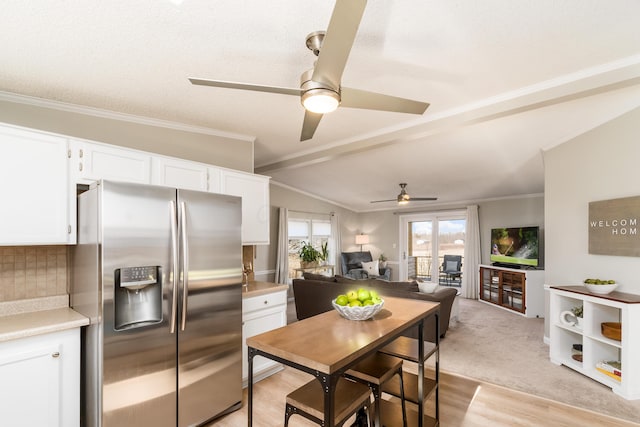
497	346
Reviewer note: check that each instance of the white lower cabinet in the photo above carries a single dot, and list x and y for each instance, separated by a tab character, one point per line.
40	380
38	208
260	314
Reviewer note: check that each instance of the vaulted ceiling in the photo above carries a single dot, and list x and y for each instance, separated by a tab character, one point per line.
505	80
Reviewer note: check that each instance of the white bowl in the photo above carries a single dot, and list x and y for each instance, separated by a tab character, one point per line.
601	289
358	313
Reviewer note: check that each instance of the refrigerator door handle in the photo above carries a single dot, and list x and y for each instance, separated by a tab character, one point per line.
174	265
185	263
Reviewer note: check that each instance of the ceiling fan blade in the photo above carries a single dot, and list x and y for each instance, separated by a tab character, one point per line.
309	125
245	86
338	40
356	98
380	201
418	199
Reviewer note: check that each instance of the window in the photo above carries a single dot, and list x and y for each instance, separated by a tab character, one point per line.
427	238
304	228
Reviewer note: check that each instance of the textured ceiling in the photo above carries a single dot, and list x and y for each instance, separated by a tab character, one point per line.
505	79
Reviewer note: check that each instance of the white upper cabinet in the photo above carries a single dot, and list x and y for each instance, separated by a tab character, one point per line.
254	190
38	207
171	172
39	173
93	161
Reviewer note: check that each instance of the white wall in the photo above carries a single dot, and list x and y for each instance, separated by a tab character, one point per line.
513	212
383	227
599	165
264	264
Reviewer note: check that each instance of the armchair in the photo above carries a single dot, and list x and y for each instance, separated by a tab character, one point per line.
351	263
452	268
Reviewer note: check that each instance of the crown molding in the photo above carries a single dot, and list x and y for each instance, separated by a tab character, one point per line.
113	115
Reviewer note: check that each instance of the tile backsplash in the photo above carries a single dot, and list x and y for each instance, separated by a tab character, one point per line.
32	272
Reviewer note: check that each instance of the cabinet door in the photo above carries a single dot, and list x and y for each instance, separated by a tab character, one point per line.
261	314
99	161
254	190
34	181
41	381
180	174
258	323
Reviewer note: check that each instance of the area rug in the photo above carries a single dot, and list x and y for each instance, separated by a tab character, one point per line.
497	346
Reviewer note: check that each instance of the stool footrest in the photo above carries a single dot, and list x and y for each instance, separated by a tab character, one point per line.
407	348
392	387
349	397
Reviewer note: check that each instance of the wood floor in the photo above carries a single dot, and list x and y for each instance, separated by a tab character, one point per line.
463	402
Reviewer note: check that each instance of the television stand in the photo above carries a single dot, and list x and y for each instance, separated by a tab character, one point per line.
519	291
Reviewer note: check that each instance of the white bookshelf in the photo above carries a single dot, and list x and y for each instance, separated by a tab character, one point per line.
614	307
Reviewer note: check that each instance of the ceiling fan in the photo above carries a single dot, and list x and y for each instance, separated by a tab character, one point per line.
404	198
320	91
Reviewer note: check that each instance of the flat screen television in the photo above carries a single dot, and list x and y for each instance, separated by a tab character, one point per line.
515	247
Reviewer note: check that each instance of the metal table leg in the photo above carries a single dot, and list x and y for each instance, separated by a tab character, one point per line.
329	383
251	353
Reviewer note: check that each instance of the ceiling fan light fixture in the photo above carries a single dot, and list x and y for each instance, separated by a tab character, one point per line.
320	100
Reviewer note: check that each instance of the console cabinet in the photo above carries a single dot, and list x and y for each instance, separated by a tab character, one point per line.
565	337
41	380
521	291
261	313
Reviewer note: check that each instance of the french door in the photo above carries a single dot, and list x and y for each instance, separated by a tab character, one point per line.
424	240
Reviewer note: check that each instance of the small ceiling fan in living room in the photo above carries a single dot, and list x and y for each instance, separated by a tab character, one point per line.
403	198
320	89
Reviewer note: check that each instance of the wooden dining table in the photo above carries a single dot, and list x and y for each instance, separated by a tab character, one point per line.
328	344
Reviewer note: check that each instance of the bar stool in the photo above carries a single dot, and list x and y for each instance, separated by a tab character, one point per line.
308	401
375	371
407	349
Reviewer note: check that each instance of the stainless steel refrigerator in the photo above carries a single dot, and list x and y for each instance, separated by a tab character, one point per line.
158	271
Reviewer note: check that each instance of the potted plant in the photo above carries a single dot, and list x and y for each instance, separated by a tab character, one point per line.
382	261
324	252
577	311
308	256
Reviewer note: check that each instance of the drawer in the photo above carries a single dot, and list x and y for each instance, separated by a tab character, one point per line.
264	301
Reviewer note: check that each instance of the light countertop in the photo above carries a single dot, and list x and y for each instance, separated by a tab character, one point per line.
261	288
26	318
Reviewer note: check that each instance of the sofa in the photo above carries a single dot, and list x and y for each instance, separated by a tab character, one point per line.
313	295
351	263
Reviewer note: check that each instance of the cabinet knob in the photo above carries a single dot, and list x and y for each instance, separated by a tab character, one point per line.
56	354
266	302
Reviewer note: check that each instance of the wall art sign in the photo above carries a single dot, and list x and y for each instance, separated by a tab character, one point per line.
613	227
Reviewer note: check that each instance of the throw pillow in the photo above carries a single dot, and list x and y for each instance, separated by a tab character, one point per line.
371	268
427	287
451	266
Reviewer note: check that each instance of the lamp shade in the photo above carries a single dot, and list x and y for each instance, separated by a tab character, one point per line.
362	239
320	101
